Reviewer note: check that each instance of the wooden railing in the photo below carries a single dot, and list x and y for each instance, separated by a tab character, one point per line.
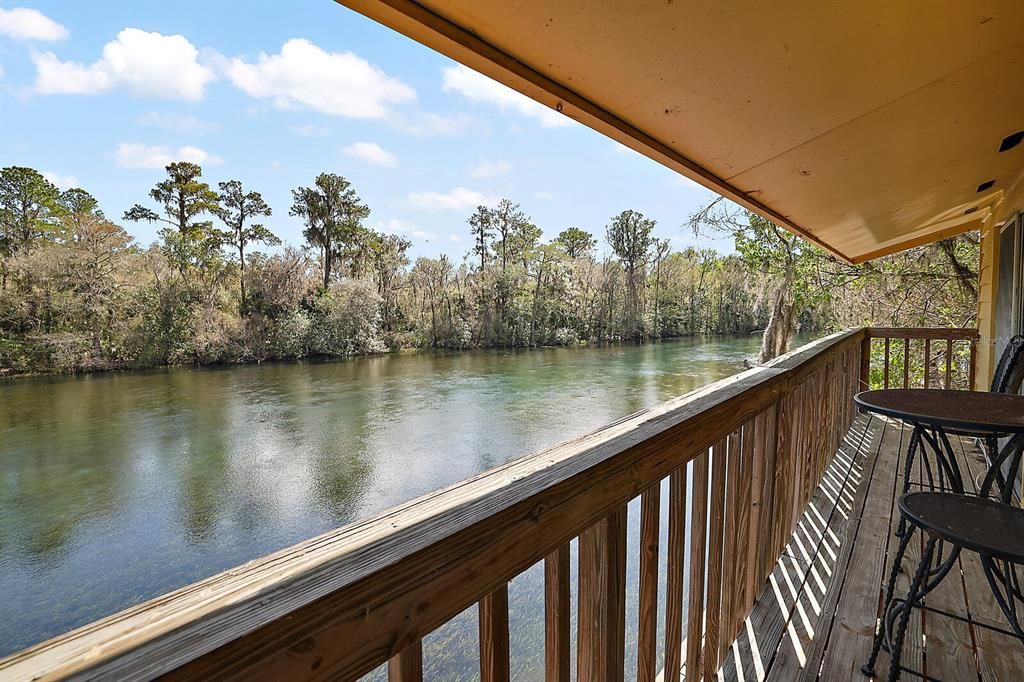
752	448
919	357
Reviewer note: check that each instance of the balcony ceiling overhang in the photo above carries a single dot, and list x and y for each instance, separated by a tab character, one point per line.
865	127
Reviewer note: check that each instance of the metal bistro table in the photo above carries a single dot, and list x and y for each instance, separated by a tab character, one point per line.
983	526
935	414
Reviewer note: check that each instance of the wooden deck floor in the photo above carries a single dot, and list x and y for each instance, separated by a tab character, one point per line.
816	617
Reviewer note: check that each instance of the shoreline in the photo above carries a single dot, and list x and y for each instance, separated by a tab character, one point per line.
6	375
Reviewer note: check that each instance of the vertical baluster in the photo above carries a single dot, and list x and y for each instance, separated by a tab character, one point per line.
906	362
927	361
766	557
675	570
973	366
744	566
493	612
407	664
865	361
556	615
885	380
754	534
949	362
602	591
647	629
729	592
713	607
698	551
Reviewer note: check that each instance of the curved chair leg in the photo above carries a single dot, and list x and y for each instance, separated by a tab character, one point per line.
1005	593
908	607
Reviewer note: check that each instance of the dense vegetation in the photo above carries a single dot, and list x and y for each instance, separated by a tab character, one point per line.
78	294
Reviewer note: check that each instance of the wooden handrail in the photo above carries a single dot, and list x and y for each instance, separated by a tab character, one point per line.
341	604
949	374
963	334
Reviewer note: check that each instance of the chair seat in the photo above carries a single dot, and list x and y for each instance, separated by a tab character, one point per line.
978	524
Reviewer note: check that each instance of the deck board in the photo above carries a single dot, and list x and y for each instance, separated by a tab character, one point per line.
816	616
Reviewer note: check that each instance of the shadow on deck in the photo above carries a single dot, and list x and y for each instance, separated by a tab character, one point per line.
816	616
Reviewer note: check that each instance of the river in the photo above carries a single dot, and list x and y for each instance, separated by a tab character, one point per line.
117	487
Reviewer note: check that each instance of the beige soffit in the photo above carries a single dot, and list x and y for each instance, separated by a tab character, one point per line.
865	126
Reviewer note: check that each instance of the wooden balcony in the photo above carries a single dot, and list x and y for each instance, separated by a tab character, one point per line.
777	500
817	616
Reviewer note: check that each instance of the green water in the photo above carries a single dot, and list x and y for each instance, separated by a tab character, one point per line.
117	487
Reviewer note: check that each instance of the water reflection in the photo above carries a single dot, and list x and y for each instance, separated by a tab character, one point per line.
115	488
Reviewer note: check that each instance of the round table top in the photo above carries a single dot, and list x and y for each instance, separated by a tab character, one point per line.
976	523
973	411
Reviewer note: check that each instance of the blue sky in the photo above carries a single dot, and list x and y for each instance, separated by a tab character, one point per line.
103	94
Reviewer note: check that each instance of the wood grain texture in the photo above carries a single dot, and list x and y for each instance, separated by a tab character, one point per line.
493	616
647	611
754	579
602	593
698	552
675	569
715	546
407	664
556	615
744	598
730	595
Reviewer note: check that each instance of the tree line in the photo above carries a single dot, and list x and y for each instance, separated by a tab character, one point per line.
77	293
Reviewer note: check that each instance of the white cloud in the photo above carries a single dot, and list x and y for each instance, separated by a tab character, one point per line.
136	155
309	130
547	196
479	88
338	83
458	199
371	153
490	169
62	181
21	23
432	124
185	122
455	238
139	62
401	227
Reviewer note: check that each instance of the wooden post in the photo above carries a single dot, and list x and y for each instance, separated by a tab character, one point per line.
885	371
744	597
756	478
949	361
729	552
713	614
647	627
865	361
973	371
556	615
602	591
675	569
906	362
493	612
407	664
927	361
698	551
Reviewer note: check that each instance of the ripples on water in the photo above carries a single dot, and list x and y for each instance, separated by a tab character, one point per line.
115	488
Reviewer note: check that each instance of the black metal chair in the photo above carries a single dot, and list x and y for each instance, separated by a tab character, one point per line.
992	529
1008	377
